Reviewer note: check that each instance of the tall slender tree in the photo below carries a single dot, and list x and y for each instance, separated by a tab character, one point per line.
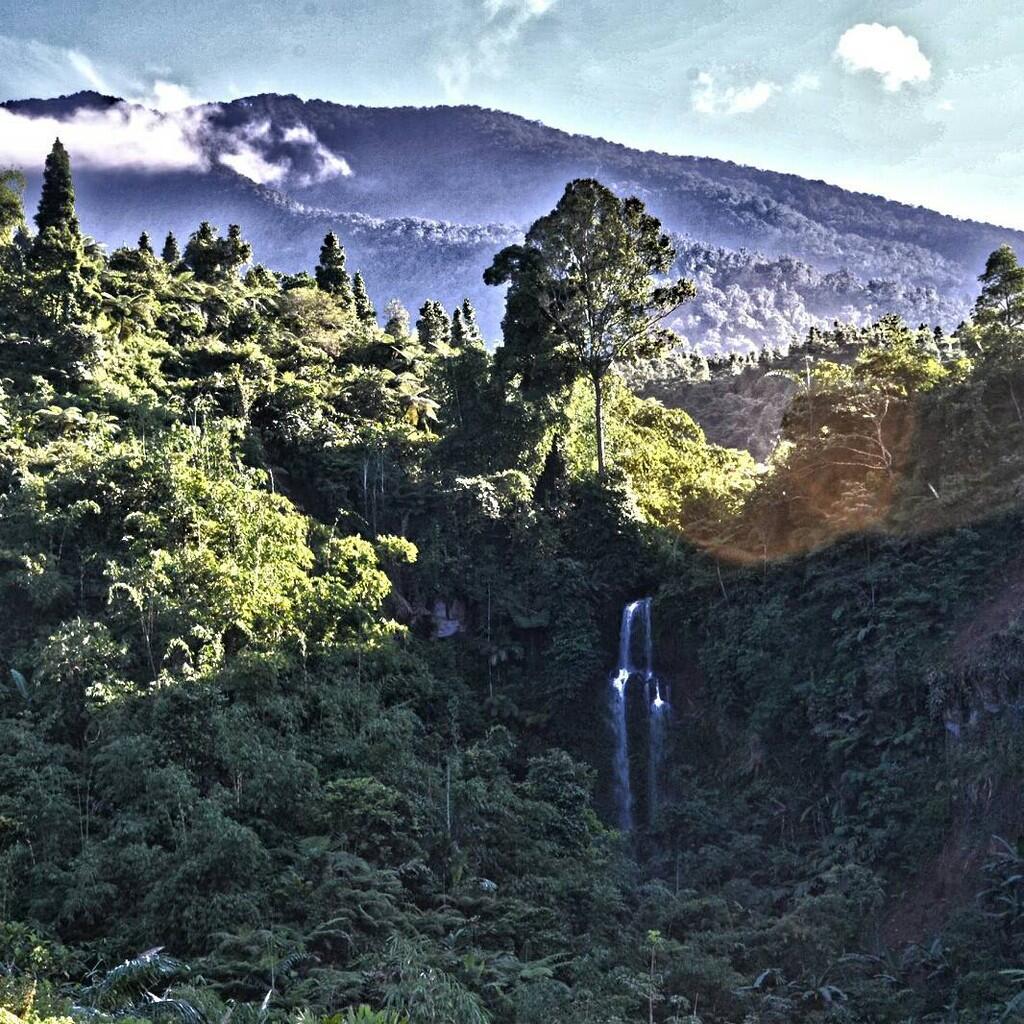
170	254
237	252
145	245
465	332
331	274
433	328
470	327
458	329
361	299
64	276
57	199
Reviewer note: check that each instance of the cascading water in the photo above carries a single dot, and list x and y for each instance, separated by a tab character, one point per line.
617	699
636	613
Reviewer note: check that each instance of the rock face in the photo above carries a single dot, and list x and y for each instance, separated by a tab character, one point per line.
449	618
422	198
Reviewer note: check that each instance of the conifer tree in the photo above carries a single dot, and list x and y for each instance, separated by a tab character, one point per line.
57	199
433	328
471	329
64	276
211	258
235	249
202	254
458	329
465	332
145	246
170	254
331	275
363	306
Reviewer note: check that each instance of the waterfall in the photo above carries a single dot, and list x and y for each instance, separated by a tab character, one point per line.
636	618
617	697
657	712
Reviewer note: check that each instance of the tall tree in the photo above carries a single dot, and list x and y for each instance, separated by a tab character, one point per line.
236	250
470	327
331	275
57	199
458	329
465	332
433	328
999	309
145	245
170	254
202	253
361	298
587	272
63	274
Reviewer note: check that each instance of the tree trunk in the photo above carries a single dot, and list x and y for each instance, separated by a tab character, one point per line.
599	425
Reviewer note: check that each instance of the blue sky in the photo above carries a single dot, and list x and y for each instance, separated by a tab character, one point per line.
920	101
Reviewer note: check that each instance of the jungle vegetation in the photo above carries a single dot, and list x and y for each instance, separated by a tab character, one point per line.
308	624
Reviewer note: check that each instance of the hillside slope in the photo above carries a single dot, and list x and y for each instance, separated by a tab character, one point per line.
444	186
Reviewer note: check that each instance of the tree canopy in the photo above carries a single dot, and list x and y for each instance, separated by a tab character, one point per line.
311	625
586	276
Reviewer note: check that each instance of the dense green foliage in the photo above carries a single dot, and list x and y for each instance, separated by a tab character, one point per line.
308	627
585	277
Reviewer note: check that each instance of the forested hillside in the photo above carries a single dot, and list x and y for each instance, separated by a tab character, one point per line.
308	701
423	196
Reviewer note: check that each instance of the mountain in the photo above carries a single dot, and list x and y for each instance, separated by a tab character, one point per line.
423	197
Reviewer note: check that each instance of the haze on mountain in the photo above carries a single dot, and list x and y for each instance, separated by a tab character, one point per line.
423	197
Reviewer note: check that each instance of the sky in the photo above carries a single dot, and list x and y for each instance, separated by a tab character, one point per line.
918	101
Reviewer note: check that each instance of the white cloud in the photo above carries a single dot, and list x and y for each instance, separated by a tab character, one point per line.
299	133
887	51
946	106
331	165
805	81
250	163
160	128
708	98
246	151
88	71
241	151
533	8
170	96
131	136
488	52
31	68
327	165
118	136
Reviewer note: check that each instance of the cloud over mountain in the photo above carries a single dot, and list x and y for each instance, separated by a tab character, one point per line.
115	134
121	135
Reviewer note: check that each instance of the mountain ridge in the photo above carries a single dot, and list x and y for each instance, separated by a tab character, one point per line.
447	185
